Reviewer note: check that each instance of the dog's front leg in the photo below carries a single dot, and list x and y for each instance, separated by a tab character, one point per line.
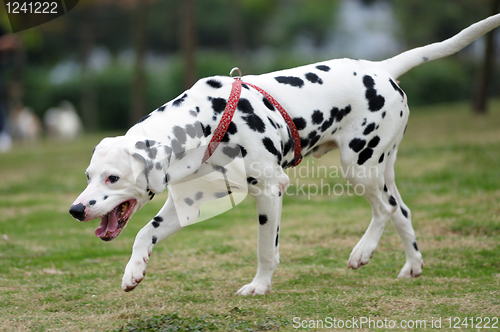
162	226
269	204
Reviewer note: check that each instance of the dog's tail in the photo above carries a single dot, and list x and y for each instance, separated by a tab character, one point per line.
403	62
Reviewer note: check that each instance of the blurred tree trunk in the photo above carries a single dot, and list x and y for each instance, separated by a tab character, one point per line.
139	43
480	98
88	103
188	41
237	34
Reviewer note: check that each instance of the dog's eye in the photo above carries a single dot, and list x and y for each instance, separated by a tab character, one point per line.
113	178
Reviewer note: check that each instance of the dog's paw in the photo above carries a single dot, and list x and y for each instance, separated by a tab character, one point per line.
361	254
134	273
412	269
255	288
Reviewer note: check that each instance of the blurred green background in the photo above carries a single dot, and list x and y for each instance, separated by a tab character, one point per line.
119	60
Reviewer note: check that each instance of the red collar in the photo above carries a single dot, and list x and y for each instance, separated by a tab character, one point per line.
227	116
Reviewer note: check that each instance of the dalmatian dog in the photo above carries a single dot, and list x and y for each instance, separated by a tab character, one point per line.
353	105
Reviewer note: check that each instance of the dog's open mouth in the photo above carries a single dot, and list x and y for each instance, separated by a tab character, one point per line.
113	223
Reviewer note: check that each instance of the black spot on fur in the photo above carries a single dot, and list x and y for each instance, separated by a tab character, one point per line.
313	78
252	181
105	197
401	114
290	80
365	155
300	123
405	213
154	239
245	106
92	202
288	146
385	188
327	124
179	101
144	118
156	221
317	117
314	138
304	142
392	201
425	59
214	83
397	88
272	122
198	195
357	144
188	201
374	142
232	129
255	123
231	152
262	219
148	145
194	130
179	134
226	138
369	128
338	114
415	245
243	151
207	131
383	115
323	68
375	101
218	104
268	143
161	108
144	145
178	149
268	104
221	194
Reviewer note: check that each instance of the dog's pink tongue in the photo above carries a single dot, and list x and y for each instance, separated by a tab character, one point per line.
109	224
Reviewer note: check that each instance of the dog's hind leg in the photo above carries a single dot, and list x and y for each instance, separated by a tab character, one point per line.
401	220
367	178
269	203
162	226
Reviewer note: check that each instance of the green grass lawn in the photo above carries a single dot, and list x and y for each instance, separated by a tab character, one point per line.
56	275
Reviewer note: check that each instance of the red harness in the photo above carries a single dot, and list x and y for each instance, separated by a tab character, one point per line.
227	116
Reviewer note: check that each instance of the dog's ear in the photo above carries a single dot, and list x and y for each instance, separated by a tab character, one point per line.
150	160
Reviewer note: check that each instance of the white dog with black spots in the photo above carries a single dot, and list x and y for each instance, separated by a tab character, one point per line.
353	105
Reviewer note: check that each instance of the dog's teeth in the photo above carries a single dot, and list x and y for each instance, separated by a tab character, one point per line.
124	208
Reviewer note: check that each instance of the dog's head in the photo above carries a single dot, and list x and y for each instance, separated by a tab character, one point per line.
123	175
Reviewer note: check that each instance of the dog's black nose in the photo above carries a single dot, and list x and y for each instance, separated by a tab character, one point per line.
78	211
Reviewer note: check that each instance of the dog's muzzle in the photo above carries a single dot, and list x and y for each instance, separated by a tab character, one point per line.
78	211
